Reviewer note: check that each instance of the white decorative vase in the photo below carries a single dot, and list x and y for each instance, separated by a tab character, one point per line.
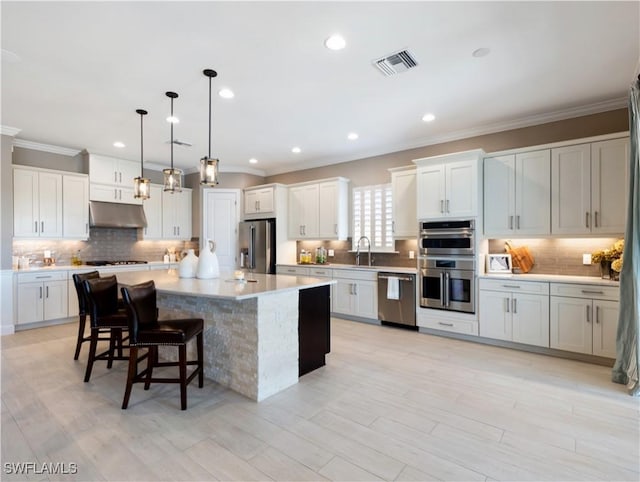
208	266
188	265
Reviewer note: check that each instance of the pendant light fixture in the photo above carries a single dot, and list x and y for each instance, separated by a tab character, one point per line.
209	166
141	184
172	177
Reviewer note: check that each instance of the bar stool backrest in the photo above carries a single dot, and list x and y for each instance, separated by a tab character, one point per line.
140	301
78	279
102	297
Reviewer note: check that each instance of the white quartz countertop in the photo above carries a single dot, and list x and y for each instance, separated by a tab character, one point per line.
84	267
224	287
391	269
553	278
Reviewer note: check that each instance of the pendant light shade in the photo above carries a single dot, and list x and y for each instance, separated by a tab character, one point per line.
172	177
208	165
141	184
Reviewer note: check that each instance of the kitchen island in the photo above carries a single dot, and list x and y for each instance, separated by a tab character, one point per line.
259	336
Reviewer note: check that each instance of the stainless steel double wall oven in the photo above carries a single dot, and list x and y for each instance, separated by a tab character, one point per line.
447	265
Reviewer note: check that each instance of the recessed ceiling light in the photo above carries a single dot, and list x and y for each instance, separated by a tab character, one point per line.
352	136
118	144
173	120
335	42
253	160
296	150
428	117
481	52
226	93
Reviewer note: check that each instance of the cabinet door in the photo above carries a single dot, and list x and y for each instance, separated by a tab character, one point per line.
73	309
103	170
571	190
461	189
55	300
50	204
75	207
311	211
127	171
609	186
605	328
183	214
328	206
153	212
570	324
533	193
250	202
25	203
366	299
296	209
343	297
265	200
405	219
499	195
430	192
104	193
495	314
169	224
126	195
30	302
530	315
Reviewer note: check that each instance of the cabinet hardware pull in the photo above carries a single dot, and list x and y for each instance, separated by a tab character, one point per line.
445	324
86	227
586	219
42	226
41	292
120	177
448	206
442	205
518	221
115	194
43	277
300	229
597	314
588	314
258	205
178	230
393	226
115	176
335	229
355	289
36	226
510	286
595	219
506	305
510	222
514	305
47	292
592	292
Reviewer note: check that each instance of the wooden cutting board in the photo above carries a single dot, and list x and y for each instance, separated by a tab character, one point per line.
521	257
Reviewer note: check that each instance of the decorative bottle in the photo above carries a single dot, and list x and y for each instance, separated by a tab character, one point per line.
208	266
188	265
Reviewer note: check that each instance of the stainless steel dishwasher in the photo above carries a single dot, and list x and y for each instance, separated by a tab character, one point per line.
397	298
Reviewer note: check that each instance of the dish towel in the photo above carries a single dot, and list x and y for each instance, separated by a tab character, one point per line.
393	288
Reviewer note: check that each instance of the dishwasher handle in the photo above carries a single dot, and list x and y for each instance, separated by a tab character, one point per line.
401	278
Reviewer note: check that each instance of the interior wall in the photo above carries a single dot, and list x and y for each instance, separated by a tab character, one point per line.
6	201
48	160
373	170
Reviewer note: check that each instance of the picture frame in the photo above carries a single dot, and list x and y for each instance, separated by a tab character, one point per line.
499	263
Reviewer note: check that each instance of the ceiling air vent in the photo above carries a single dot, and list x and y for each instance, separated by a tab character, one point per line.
395	63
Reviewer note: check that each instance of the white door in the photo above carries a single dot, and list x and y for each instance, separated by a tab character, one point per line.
75	207
50	188
343	296
265	200
605	327
571	190
310	211
533	193
609	186
251	202
30	302
169	225
220	217
184	202
495	315
127	171
366	299
328	197
499	195
153	212
296	207
25	203
530	315
55	300
430	192
461	189
570	324
405	219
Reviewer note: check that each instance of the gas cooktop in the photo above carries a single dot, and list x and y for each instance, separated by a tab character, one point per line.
113	263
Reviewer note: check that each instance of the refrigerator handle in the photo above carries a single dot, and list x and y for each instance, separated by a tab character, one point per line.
252	243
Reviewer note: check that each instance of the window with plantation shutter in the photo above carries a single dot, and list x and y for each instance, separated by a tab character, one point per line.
372	217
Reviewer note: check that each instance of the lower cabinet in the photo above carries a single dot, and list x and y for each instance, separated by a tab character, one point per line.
41	296
586	321
515	311
356	293
314	328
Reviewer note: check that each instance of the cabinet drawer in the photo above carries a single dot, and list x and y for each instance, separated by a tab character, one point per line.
533	287
42	276
296	270
454	326
597	292
321	272
357	274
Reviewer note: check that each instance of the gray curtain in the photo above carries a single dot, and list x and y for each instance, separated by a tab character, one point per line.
627	364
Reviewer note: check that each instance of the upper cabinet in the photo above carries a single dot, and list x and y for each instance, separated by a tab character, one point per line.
111	179
405	218
176	214
153	212
265	201
319	210
589	188
447	185
517	194
37	204
75	206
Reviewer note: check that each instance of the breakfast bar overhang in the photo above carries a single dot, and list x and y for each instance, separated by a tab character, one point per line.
259	336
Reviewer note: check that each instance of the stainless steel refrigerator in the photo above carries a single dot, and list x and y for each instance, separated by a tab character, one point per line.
258	245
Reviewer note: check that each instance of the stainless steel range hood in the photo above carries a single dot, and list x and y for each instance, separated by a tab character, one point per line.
116	215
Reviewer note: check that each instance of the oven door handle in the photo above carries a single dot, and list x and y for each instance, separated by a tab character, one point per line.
442	298
446	289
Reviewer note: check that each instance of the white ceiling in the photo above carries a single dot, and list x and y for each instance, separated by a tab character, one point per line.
85	67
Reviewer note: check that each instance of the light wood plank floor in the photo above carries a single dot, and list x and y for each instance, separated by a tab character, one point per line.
390	405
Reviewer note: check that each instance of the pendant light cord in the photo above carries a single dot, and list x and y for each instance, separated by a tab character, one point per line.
141	147
171	134
210	117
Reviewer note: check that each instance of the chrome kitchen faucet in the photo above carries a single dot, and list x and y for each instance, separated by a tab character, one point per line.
358	250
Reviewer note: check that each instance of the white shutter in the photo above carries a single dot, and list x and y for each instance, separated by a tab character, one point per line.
372	216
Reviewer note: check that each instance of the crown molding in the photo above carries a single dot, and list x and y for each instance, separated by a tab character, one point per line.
224	169
9	131
520	123
37	146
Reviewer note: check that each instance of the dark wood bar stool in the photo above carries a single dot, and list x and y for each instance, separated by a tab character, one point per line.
82	308
108	320
145	331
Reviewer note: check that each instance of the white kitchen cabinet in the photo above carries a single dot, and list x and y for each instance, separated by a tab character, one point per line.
517	194
111	179
176	214
37	203
75	206
514	311
585	320
405	218
589	188
319	210
41	296
153	212
292	270
356	293
259	200
447	186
